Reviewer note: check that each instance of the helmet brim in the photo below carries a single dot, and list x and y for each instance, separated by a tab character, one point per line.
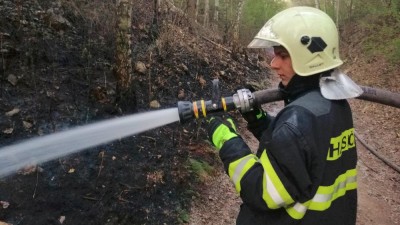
261	43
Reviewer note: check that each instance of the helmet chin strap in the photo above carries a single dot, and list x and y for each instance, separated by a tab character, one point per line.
338	85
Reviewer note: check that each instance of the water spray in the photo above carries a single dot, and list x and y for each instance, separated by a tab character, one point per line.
52	146
59	144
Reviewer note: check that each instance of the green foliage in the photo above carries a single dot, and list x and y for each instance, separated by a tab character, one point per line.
200	168
255	14
395	54
379	20
303	2
183	216
382	27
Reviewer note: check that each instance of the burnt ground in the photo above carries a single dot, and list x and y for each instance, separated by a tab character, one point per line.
56	73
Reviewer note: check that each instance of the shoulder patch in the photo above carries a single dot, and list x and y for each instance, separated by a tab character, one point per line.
314	102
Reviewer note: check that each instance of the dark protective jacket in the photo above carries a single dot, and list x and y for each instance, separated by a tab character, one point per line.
304	171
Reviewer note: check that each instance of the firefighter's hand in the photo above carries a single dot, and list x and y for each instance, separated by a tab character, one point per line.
254	115
220	130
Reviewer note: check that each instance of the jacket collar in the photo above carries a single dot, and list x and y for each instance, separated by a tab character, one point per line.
298	86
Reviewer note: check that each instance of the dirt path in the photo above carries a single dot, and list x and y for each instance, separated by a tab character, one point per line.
379	185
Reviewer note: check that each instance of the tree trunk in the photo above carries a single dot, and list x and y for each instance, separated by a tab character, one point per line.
154	26
196	14
191	9
216	12
206	12
157	4
225	25
337	13
123	63
236	26
351	9
317	4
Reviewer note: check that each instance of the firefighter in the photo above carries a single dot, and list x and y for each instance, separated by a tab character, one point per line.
304	171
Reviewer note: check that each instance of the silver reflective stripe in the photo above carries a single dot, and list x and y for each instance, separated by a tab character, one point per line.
352	179
327	194
239	168
328	197
322	198
300	208
271	189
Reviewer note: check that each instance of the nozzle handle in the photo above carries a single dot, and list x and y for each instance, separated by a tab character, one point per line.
197	109
185	109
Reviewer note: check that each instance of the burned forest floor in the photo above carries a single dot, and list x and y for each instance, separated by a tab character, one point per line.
56	73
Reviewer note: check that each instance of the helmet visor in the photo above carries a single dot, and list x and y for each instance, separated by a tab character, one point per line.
260	43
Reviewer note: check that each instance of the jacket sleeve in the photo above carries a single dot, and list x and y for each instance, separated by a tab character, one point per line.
257	127
278	178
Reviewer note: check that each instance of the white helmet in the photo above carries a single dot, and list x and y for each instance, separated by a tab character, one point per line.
308	34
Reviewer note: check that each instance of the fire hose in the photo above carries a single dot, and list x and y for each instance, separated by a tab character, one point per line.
245	100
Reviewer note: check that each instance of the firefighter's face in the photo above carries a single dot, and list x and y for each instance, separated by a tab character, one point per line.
282	64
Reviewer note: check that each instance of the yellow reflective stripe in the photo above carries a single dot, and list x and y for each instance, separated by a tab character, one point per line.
239	168
325	195
274	193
